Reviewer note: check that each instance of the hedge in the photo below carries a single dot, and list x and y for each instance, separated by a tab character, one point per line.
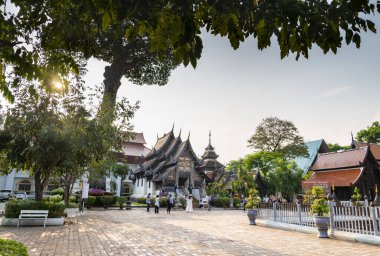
14	207
222	202
12	248
58	191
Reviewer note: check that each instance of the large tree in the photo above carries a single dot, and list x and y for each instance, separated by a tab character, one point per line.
371	134
144	40
276	135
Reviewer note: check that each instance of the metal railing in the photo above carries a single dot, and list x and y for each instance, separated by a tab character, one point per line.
353	219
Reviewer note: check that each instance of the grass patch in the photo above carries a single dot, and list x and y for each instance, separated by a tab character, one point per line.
137	204
12	248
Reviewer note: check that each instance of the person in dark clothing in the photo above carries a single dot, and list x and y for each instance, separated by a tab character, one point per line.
170	203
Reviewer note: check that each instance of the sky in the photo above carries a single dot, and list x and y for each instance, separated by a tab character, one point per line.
231	91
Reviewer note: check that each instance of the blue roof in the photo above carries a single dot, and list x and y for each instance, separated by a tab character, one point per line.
304	163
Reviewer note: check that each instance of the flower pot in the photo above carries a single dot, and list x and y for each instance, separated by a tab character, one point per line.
252	213
322	223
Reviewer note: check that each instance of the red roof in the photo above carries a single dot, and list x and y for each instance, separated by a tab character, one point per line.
336	160
338	178
375	148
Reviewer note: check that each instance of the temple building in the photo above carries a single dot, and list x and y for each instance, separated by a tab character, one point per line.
173	167
345	170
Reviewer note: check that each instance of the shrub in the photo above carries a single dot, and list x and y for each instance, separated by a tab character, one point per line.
58	191
55	199
90	201
163	202
182	202
122	200
222	202
73	199
14	207
237	201
12	248
72	205
141	200
107	200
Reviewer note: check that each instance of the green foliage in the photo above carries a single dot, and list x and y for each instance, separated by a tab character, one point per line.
222	201
57	191
122	200
107	200
234	165
371	134
253	199
55	198
142	200
356	197
283	176
216	188
73	199
307	175
318	192
182	202
335	147
319	207
276	135
90	201
12	248
308	197
14	207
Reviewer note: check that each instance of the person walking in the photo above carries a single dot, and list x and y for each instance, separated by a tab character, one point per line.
170	203
244	202
209	200
157	204
148	202
189	207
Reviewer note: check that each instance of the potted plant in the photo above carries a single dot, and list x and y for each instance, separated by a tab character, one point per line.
321	211
253	202
121	201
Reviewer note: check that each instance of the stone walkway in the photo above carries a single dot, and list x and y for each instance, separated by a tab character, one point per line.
136	232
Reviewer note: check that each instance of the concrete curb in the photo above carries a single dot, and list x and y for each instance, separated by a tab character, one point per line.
351	237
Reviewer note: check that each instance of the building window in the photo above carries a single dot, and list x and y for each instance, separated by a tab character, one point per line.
24	186
138	182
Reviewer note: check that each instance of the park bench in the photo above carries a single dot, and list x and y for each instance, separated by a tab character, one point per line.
33	215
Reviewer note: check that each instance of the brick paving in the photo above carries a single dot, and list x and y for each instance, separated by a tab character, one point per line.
136	232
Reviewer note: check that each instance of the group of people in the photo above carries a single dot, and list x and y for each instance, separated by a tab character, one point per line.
169	202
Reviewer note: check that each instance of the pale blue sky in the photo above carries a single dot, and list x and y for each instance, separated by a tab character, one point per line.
230	92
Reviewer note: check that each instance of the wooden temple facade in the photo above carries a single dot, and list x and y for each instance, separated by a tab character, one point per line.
173	167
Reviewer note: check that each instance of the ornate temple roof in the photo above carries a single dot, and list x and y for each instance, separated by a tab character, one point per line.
210	165
164	156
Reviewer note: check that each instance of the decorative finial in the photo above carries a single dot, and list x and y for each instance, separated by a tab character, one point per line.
188	137
157	136
353	145
209	137
180	130
173	127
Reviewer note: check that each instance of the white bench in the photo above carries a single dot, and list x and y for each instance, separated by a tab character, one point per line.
33	215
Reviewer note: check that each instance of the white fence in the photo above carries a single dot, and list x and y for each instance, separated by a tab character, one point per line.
354	219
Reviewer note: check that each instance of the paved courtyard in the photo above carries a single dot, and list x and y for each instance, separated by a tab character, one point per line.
136	232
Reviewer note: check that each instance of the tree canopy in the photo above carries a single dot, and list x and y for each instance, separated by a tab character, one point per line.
371	134
42	40
276	135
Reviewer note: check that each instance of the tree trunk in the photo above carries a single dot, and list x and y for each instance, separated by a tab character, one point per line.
112	76
38	185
